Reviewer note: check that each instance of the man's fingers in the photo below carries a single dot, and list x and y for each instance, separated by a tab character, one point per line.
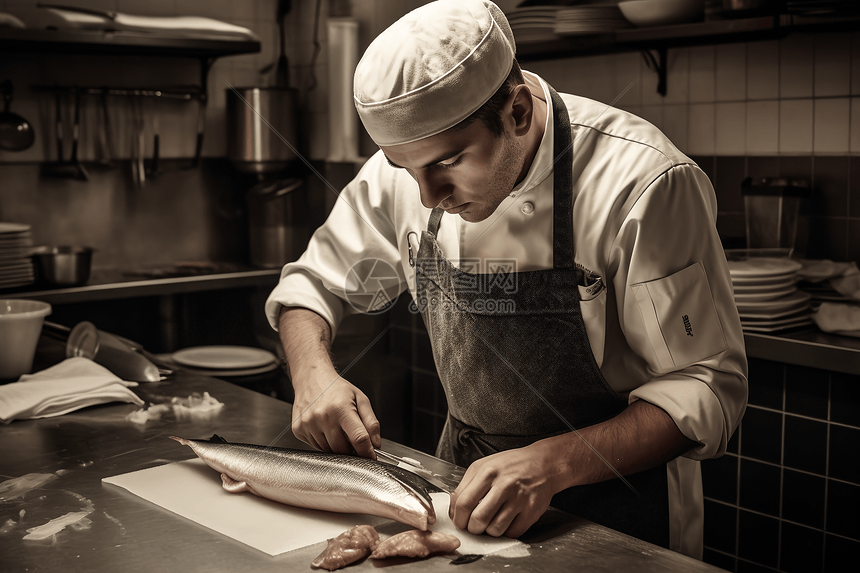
368	418
464	502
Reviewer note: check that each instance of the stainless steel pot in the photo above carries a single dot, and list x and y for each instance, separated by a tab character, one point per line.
261	128
63	265
278	222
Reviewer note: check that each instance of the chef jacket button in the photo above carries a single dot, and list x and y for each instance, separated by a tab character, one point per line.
528	208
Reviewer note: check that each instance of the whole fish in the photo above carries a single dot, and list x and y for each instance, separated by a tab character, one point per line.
318	480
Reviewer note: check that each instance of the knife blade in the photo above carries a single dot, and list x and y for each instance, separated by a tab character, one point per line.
448	485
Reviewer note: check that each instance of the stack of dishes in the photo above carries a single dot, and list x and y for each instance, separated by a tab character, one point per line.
533	24
225	361
16	267
580	20
767	296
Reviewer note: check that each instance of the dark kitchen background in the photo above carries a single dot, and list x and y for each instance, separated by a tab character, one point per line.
753	102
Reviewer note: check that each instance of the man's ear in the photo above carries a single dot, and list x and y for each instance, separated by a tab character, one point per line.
520	109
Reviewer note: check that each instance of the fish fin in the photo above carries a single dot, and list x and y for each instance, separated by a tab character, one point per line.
216	439
233	486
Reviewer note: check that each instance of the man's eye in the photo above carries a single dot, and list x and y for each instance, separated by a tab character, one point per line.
452	164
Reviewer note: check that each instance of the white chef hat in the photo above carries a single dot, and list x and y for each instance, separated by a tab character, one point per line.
432	69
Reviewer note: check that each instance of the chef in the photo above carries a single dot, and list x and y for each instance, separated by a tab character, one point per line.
564	257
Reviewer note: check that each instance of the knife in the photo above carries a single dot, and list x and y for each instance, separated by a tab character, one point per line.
446	484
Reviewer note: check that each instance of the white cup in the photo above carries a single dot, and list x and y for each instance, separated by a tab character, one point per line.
21	323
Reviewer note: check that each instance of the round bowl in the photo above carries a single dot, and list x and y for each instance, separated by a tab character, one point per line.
662	12
20	326
63	265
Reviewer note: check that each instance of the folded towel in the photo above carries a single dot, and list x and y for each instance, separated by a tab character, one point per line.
838	318
72	384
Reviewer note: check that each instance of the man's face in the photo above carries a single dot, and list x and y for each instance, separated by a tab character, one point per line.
467	172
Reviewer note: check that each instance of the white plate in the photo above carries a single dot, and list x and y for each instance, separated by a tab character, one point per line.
771	294
230	372
764	267
14	228
221	357
755	286
797	298
773	314
774	325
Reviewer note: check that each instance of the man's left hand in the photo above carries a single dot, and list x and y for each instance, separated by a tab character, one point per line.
505	493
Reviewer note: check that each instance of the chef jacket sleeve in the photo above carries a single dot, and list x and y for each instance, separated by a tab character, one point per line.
677	311
352	262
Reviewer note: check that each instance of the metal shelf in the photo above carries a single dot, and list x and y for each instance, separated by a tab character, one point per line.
120	43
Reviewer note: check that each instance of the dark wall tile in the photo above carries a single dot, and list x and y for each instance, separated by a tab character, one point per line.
760	487
806	391
805	444
839	551
720	478
423	352
845	399
762	167
845	453
828	238
854	186
843	509
734	442
426	429
720	526
400	343
803	498
854	240
750	567
794	167
717	559
707	164
801	549
830	186
730	172
758	538
766	383
761	435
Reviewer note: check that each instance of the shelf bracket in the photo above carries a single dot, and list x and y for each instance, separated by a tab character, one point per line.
658	64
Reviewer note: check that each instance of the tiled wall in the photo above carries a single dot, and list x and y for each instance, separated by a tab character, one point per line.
786	497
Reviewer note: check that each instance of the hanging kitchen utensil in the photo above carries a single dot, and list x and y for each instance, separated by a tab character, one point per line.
105	138
16	133
72	168
153	166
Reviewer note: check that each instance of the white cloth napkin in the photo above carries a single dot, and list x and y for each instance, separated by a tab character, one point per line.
838	318
844	278
70	385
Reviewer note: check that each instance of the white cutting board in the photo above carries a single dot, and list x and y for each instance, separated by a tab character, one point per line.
193	490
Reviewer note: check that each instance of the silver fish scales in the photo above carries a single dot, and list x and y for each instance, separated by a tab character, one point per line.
318	480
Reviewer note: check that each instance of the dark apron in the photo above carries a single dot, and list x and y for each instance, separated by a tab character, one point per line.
514	358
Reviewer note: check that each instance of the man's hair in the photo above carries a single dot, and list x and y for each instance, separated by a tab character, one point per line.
491	112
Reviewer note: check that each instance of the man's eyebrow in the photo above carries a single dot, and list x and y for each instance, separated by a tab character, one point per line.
443	157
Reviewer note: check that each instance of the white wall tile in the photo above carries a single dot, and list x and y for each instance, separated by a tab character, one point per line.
832	65
762	130
763	70
675	118
702	74
854	134
730	69
652	114
627	71
796	66
831	125
855	63
795	126
678	76
701	134
730	128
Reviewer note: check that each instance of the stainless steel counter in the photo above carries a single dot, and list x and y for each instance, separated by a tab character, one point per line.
128	533
807	347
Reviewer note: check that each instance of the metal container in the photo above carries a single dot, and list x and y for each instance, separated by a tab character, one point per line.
278	222
772	211
261	128
63	265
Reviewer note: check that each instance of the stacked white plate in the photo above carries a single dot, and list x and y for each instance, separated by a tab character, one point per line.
225	361
580	20
533	24
16	266
767	296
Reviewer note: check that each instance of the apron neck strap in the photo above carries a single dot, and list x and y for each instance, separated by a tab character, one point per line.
562	185
562	188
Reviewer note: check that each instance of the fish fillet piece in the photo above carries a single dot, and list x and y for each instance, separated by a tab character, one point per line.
415	543
348	547
318	480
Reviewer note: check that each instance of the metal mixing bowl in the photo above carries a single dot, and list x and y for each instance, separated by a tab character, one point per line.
63	265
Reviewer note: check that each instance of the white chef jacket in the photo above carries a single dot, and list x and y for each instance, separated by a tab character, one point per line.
661	321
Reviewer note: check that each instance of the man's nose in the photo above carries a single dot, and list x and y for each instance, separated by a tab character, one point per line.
433	191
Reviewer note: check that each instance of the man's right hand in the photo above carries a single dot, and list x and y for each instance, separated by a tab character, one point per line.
329	413
332	415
